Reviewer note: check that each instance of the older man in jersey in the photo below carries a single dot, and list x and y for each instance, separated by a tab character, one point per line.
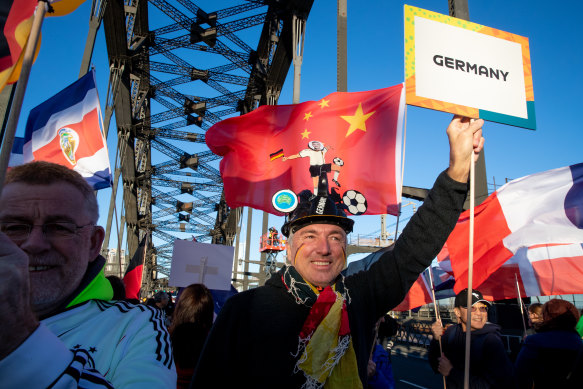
59	328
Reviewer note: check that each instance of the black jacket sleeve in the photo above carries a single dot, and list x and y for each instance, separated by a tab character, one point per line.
433	355
390	278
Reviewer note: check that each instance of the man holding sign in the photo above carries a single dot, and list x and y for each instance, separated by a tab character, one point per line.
309	326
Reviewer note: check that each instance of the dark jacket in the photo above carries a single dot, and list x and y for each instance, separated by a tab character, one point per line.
546	358
255	336
490	365
187	343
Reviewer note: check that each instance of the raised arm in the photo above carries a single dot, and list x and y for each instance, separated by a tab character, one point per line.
291	157
425	234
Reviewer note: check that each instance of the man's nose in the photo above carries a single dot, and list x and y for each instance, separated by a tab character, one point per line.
323	246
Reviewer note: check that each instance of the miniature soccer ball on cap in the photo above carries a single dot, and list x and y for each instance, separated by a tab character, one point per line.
355	202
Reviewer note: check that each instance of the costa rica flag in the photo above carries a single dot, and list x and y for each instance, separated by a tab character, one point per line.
67	130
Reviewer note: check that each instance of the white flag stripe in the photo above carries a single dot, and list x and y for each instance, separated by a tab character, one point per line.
552	252
89	165
527	273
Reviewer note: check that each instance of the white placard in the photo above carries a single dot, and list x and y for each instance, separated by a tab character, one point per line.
203	263
469	68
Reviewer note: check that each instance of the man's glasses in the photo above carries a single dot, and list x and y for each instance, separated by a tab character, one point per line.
481	308
60	230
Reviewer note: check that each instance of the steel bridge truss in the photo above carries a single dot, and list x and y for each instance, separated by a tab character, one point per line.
177	69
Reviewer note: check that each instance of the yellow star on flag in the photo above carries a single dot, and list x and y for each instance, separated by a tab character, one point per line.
307	116
358	120
305	134
323	103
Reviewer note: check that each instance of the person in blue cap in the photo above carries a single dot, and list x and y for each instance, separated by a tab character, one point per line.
309	326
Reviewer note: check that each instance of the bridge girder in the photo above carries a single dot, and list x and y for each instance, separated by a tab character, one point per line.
165	64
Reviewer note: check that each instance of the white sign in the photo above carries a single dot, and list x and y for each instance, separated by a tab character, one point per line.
201	263
454	65
468	68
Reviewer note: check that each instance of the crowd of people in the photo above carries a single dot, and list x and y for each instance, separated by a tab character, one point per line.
549	357
309	326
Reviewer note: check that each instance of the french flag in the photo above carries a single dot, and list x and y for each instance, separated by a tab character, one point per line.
67	130
541	209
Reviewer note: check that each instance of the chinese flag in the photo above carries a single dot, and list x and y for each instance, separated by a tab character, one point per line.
354	138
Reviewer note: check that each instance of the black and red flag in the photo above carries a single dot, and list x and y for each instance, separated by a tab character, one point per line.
15	25
133	276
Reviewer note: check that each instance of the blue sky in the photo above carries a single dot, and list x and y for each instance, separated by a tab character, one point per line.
375	49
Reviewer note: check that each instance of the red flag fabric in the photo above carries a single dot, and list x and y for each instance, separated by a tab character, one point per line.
352	140
15	25
541	209
541	270
417	296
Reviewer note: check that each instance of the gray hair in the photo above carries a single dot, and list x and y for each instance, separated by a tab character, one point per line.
47	173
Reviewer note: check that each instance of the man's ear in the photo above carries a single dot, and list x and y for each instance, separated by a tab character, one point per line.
288	252
97	237
457	313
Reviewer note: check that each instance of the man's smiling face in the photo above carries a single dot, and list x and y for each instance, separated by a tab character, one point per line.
56	264
318	252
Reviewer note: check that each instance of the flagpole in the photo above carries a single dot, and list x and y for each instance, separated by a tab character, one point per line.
397	224
470	274
143	264
374	341
27	60
437	315
402	167
520	303
435	306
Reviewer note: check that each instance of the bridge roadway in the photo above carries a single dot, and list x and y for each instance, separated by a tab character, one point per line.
411	368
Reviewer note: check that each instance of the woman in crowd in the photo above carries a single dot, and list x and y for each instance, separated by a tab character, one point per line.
191	322
535	317
548	357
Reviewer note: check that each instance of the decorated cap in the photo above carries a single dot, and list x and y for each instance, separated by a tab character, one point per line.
315	210
461	299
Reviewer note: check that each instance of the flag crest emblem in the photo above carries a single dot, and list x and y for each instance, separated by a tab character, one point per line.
69	142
